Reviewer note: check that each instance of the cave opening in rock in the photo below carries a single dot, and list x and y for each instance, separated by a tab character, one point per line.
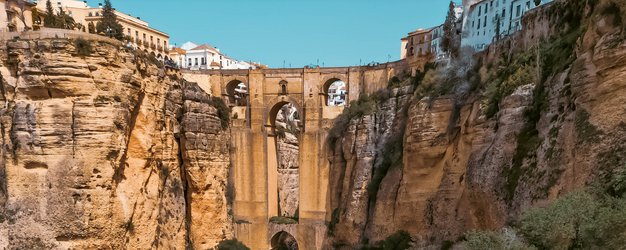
284	241
285	121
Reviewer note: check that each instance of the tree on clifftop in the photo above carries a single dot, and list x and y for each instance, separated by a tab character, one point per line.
451	42
50	20
109	25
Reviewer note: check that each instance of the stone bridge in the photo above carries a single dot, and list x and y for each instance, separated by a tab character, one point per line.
253	132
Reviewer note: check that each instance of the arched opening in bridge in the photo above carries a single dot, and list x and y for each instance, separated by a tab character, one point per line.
336	92
237	92
284	241
284	166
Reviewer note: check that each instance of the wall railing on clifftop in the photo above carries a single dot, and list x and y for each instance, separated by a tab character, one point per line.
48	33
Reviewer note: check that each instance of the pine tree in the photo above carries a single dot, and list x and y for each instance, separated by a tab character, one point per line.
449	43
109	25
498	23
91	28
65	21
50	20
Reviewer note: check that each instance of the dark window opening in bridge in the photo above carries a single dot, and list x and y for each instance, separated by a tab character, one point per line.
336	92
284	241
283	88
237	92
286	125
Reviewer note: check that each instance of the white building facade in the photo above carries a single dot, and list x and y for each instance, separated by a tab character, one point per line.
489	20
198	57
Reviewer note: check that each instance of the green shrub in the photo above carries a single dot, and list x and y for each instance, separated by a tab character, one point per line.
223	112
586	132
580	220
614	10
333	221
391	154
365	105
480	240
283	220
399	241
83	47
233	244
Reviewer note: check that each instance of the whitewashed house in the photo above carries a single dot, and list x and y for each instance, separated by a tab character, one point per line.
197	57
489	20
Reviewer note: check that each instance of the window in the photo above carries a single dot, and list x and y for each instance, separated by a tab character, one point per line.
472	24
129	32
137	34
518	10
203	61
491	4
189	61
504	13
480	10
479	23
528	5
485	23
144	36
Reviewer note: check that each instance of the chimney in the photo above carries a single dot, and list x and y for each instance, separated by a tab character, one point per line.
100	5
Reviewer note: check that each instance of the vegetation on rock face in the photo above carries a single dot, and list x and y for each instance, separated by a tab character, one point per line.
391	154
223	112
580	220
365	105
283	220
233	244
83	47
399	241
505	240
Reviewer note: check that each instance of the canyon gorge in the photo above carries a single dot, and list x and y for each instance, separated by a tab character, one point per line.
105	147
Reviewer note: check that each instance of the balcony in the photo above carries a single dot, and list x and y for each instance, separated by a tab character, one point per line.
146	44
152	46
160	48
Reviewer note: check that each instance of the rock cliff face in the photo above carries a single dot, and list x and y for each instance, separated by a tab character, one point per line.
288	165
463	170
103	149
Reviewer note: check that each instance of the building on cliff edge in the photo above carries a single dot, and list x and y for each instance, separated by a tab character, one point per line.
140	34
424	45
16	15
198	57
487	21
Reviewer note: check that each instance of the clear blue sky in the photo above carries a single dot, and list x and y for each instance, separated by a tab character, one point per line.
337	32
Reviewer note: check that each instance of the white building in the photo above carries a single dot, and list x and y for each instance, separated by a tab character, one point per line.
197	57
489	20
337	94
